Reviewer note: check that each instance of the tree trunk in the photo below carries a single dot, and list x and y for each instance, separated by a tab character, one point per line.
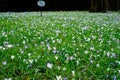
103	5
112	5
97	5
118	5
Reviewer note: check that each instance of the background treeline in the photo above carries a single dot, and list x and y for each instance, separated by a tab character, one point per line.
104	5
31	5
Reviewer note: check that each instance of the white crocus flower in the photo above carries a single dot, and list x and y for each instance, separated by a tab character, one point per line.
49	65
118	71
30	60
1	47
73	73
4	62
56	57
7	79
12	56
58	77
97	65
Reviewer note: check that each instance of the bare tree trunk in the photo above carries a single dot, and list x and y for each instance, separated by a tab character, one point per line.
102	6
97	5
93	5
112	5
118	5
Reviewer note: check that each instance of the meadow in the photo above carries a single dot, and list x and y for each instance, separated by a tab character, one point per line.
60	46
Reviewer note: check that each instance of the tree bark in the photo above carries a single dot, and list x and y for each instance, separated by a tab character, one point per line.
112	5
118	4
97	5
103	5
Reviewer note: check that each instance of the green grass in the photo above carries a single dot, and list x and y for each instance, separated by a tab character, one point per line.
60	45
